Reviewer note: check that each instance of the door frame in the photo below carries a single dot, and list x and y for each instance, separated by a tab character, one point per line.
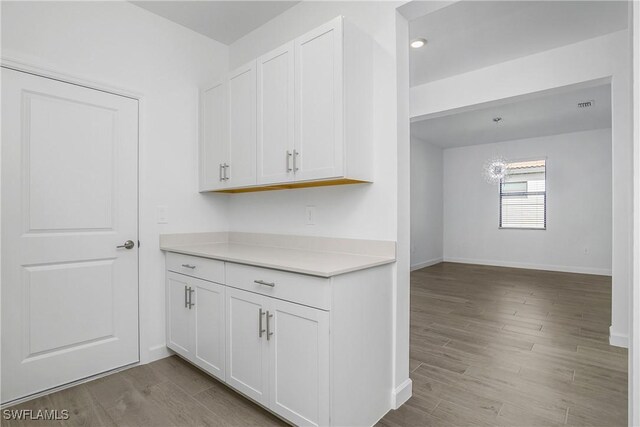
15	62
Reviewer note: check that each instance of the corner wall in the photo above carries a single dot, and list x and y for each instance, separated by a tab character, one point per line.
426	204
122	45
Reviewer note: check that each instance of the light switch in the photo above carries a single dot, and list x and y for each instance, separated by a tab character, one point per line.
310	215
162	214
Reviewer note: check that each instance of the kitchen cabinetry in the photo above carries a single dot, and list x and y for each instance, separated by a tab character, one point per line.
276	116
299	345
241	167
196	321
213	146
300	115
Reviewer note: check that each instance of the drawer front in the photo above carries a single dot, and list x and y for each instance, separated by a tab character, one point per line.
298	288
202	268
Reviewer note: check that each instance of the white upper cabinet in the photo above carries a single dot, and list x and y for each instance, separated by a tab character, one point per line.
213	137
319	133
276	115
241	169
299	115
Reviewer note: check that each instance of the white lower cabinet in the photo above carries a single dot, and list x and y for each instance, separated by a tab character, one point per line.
298	363
301	346
278	355
196	320
247	362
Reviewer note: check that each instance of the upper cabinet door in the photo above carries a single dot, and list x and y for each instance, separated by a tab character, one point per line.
319	129
275	115
241	169
213	137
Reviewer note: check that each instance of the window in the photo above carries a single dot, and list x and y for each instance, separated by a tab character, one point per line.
523	196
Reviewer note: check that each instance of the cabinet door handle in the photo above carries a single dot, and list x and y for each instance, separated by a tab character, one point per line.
225	167
289	161
220	172
269	333
186	291
189	266
262	282
295	161
260	330
191	291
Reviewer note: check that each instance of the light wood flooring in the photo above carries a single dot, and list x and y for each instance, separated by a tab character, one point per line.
489	346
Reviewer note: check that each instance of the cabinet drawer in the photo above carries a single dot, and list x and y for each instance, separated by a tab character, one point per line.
203	268
298	288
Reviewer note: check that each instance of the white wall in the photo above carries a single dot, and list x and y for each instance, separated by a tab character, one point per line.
605	58
634	353
426	204
578	234
368	211
122	45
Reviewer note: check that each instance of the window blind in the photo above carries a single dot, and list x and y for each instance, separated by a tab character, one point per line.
523	196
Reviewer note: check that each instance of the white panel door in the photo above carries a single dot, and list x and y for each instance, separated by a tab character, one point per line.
69	197
319	103
247	358
275	115
209	307
214	143
180	316
299	363
241	169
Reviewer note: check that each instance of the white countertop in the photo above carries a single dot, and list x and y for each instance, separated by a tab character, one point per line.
297	260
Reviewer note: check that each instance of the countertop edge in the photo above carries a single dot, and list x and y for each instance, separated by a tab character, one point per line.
245	261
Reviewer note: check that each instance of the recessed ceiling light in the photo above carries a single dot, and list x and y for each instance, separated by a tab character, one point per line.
417	43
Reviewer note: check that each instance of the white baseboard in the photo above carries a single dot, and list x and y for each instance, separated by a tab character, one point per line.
156	353
424	264
530	266
618	340
402	393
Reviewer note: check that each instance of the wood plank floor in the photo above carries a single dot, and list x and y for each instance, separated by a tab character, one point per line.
498	346
489	346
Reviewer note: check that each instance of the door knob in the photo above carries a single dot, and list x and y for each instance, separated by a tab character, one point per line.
127	245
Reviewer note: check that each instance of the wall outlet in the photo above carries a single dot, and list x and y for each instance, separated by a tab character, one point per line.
310	215
162	214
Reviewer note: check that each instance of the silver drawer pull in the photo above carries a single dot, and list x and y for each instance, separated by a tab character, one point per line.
189	266
262	282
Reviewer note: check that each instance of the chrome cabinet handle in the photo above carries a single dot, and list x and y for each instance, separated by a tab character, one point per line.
225	168
127	245
191	291
295	162
260	330
189	266
288	161
269	333
262	282
186	291
220	172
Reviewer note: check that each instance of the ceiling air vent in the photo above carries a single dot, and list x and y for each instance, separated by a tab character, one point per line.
586	104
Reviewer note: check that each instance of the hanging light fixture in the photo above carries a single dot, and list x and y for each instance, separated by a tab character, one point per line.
495	170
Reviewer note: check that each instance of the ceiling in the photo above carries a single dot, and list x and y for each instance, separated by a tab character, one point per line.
469	35
224	21
535	116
